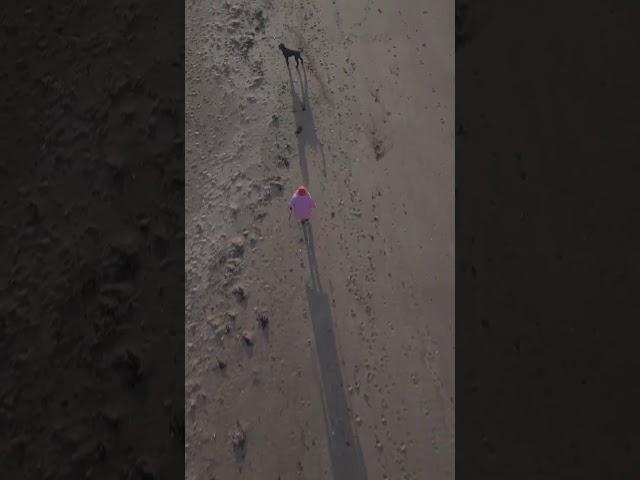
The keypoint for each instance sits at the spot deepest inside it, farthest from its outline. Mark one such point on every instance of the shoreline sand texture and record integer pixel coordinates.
(92, 244)
(325, 352)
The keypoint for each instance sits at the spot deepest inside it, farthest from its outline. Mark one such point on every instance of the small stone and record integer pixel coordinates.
(263, 320)
(276, 185)
(239, 440)
(239, 293)
(247, 337)
(237, 246)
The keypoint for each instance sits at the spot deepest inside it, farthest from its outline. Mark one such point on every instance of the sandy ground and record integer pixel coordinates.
(327, 353)
(91, 243)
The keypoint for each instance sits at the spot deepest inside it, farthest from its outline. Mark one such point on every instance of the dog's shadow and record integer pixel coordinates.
(305, 124)
(344, 447)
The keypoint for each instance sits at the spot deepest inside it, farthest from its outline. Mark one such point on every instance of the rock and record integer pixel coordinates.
(263, 320)
(234, 208)
(232, 265)
(239, 441)
(247, 337)
(282, 161)
(276, 185)
(239, 293)
(237, 246)
(221, 329)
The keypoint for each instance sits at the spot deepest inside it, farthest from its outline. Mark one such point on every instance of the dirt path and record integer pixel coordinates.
(327, 354)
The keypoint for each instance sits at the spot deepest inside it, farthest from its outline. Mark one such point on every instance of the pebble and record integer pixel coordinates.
(247, 337)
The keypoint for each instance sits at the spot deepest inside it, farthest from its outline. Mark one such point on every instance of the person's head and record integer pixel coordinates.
(302, 190)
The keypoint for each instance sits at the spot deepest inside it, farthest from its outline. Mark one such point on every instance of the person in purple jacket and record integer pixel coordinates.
(302, 205)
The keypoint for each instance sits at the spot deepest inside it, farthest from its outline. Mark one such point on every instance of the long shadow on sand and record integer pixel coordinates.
(305, 124)
(346, 456)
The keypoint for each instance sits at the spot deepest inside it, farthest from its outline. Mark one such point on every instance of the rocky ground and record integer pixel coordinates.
(327, 355)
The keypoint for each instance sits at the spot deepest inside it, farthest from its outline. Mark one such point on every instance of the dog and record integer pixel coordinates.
(291, 53)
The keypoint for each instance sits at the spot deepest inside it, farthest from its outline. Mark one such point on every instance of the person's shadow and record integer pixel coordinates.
(305, 125)
(344, 447)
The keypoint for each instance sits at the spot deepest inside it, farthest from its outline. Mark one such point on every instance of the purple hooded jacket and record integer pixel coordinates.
(302, 206)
